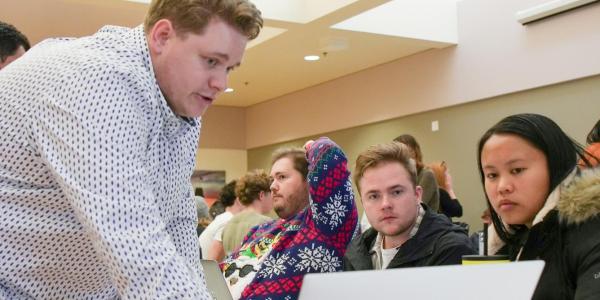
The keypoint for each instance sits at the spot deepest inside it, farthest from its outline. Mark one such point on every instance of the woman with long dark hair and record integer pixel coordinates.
(542, 205)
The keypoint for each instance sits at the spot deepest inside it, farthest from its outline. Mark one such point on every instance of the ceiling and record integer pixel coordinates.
(349, 35)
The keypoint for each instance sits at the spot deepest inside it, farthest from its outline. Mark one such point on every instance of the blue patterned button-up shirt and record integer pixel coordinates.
(95, 195)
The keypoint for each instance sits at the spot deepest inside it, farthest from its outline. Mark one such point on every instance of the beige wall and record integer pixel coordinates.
(498, 68)
(223, 127)
(38, 20)
(222, 142)
(232, 161)
(495, 56)
(575, 106)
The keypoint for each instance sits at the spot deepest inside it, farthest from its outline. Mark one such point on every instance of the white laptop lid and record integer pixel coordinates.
(215, 281)
(502, 281)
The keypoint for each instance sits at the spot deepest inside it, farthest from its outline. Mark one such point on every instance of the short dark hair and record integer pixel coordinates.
(10, 40)
(560, 150)
(227, 196)
(298, 157)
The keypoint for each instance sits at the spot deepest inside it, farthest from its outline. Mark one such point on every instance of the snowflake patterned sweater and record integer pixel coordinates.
(274, 256)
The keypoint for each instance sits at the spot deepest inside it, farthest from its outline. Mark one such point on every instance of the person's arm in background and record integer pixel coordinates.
(453, 207)
(216, 250)
(333, 210)
(98, 157)
(449, 206)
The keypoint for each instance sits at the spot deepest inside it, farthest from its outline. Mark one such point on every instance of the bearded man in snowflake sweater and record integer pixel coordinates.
(312, 195)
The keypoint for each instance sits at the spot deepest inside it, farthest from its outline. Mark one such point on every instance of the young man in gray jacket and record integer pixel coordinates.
(404, 232)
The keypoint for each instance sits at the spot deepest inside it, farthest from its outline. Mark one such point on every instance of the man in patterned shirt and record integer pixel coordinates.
(312, 195)
(405, 232)
(97, 145)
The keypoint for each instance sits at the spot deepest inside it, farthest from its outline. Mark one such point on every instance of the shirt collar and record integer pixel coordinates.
(415, 228)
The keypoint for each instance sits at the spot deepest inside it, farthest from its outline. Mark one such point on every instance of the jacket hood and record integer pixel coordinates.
(580, 198)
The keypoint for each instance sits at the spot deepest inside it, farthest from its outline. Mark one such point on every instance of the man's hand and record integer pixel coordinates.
(308, 144)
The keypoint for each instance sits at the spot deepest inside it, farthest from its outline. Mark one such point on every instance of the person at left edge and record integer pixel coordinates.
(13, 44)
(97, 145)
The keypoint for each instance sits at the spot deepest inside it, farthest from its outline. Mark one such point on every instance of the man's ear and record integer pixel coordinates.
(159, 35)
(419, 193)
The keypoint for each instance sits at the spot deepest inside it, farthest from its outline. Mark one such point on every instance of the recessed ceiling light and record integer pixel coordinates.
(228, 90)
(312, 58)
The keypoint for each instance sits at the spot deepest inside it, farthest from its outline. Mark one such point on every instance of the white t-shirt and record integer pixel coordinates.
(210, 232)
(386, 256)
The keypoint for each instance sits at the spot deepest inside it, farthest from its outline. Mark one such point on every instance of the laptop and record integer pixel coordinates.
(215, 281)
(502, 281)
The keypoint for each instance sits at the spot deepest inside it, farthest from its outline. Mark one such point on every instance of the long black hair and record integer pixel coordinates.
(561, 152)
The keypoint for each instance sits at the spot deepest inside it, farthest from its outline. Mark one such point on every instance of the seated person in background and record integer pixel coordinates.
(542, 205)
(254, 192)
(312, 194)
(232, 206)
(449, 204)
(425, 177)
(477, 238)
(404, 232)
(201, 211)
(216, 209)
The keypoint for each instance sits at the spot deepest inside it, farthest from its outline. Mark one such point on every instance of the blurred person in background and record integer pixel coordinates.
(201, 210)
(253, 191)
(593, 148)
(449, 204)
(213, 231)
(425, 177)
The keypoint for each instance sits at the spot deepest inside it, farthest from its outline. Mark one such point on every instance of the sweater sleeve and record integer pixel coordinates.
(332, 208)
